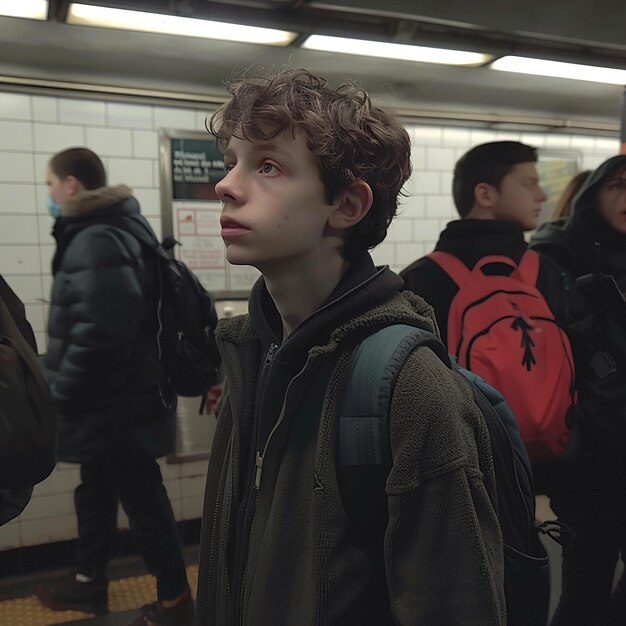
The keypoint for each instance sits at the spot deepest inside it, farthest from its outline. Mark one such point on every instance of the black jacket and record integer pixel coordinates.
(102, 362)
(585, 244)
(470, 240)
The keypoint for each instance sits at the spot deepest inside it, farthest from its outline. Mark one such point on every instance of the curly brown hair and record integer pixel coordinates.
(351, 139)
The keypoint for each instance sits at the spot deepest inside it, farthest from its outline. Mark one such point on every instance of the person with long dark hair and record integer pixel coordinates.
(589, 489)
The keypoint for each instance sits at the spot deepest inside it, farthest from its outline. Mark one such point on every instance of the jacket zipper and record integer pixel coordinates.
(269, 357)
(259, 458)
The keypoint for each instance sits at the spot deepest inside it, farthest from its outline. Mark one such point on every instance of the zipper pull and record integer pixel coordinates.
(270, 354)
(259, 468)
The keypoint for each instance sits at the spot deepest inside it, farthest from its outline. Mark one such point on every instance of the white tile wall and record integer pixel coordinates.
(109, 141)
(41, 168)
(133, 172)
(16, 167)
(18, 229)
(129, 115)
(14, 106)
(149, 201)
(82, 112)
(35, 314)
(55, 137)
(19, 259)
(16, 136)
(45, 109)
(17, 198)
(33, 128)
(146, 144)
(27, 288)
(174, 118)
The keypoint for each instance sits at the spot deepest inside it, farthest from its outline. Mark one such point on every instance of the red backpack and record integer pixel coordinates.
(501, 328)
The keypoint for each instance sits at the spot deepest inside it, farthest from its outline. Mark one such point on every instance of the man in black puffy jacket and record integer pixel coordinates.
(116, 410)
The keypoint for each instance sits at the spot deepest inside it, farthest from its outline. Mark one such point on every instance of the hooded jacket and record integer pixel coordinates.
(585, 244)
(470, 240)
(102, 363)
(285, 552)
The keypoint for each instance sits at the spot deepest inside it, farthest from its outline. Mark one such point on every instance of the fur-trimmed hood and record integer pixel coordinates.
(93, 199)
(106, 205)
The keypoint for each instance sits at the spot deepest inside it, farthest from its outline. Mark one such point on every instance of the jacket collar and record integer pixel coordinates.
(91, 200)
(471, 239)
(366, 297)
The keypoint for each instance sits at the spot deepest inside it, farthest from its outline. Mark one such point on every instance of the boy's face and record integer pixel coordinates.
(274, 211)
(612, 201)
(520, 196)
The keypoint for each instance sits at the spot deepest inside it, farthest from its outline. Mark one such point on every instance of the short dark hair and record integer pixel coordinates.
(351, 139)
(81, 163)
(487, 163)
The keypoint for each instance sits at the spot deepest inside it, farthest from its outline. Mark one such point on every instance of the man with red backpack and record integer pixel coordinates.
(494, 299)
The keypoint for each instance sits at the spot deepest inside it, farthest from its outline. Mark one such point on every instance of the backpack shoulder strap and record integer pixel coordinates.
(372, 373)
(364, 449)
(452, 266)
(528, 267)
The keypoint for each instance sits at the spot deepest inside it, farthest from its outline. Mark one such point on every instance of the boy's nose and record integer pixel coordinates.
(226, 188)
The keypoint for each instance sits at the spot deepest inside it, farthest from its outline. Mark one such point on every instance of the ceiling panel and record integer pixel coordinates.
(56, 51)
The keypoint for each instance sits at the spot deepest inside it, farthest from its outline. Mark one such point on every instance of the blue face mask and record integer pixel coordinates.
(53, 208)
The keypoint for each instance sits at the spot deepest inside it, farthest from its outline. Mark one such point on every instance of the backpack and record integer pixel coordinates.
(27, 411)
(502, 328)
(187, 318)
(364, 448)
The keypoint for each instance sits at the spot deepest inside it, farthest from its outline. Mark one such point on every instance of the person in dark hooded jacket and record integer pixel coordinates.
(116, 410)
(589, 491)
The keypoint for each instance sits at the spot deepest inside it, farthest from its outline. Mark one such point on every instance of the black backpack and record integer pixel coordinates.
(27, 412)
(187, 318)
(365, 461)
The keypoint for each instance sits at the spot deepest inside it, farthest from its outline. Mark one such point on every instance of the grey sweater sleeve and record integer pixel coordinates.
(443, 544)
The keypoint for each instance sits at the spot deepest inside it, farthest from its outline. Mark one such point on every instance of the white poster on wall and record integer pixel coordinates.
(197, 229)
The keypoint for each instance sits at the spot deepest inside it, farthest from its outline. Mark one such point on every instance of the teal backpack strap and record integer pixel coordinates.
(364, 448)
(371, 377)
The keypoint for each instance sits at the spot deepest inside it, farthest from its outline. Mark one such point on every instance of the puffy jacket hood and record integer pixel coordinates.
(585, 242)
(583, 203)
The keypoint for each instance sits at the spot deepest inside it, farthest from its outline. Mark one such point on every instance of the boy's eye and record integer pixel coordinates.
(228, 166)
(268, 168)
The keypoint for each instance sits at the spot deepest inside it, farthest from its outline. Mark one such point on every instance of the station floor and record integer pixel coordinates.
(19, 607)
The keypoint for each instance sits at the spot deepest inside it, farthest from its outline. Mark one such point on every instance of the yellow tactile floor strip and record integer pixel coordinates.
(124, 594)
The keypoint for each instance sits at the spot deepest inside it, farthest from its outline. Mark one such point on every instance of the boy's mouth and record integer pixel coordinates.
(232, 227)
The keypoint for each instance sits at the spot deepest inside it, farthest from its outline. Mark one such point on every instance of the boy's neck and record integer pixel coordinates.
(300, 288)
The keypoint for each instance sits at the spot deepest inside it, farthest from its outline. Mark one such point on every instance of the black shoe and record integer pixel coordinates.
(155, 614)
(66, 593)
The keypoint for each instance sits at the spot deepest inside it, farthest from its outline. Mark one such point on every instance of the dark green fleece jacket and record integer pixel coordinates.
(298, 560)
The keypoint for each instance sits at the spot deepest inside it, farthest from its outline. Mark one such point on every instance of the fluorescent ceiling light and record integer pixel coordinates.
(557, 69)
(104, 17)
(31, 9)
(395, 51)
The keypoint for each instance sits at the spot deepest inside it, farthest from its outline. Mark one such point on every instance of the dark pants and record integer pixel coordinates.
(593, 503)
(136, 484)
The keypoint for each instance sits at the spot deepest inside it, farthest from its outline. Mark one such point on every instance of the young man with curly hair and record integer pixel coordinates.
(312, 183)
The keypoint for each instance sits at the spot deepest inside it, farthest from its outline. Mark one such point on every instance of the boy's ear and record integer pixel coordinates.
(352, 205)
(483, 195)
